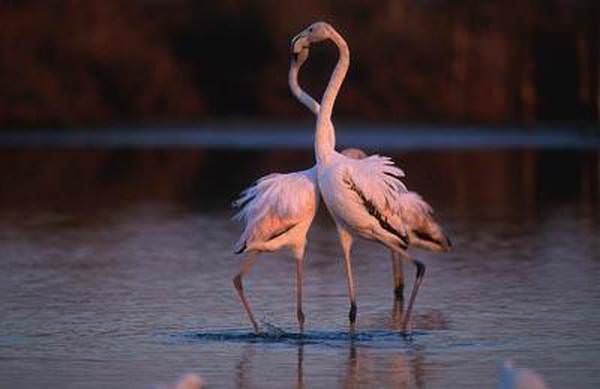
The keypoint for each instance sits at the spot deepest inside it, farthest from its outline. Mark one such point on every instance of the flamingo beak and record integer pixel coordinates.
(299, 42)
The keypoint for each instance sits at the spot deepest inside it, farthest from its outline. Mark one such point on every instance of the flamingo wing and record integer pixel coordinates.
(413, 203)
(423, 229)
(275, 204)
(377, 187)
(379, 181)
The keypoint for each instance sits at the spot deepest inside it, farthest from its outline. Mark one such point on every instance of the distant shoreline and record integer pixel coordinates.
(299, 137)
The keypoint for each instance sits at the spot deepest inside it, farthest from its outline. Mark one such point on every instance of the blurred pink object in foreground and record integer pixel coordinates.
(519, 378)
(190, 381)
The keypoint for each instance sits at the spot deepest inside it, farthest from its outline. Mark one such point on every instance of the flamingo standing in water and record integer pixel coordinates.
(278, 211)
(366, 197)
(297, 60)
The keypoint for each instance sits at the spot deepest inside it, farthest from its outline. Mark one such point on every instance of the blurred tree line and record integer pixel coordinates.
(70, 63)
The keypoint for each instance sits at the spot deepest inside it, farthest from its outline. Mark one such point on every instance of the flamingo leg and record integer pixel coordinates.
(398, 276)
(419, 278)
(299, 278)
(351, 291)
(346, 240)
(397, 317)
(239, 287)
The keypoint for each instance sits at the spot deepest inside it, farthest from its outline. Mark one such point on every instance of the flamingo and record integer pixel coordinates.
(353, 153)
(298, 60)
(278, 211)
(366, 197)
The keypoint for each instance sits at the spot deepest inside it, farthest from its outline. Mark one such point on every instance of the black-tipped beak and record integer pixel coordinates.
(294, 39)
(297, 46)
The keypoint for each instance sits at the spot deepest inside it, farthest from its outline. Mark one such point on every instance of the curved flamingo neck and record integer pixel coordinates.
(297, 91)
(325, 133)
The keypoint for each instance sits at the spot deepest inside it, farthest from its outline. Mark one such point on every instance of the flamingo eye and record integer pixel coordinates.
(310, 29)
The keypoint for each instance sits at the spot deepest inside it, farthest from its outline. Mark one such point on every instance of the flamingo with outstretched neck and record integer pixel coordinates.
(366, 197)
(297, 60)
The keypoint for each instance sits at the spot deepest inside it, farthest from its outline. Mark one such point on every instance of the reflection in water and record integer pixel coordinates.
(362, 367)
(244, 365)
(300, 369)
(515, 181)
(403, 367)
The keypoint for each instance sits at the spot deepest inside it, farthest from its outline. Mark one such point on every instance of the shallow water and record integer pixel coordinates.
(135, 297)
(138, 293)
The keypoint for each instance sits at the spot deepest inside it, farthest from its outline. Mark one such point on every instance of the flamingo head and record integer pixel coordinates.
(316, 32)
(298, 58)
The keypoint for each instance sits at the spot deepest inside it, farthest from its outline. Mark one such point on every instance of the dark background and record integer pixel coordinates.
(72, 64)
(140, 66)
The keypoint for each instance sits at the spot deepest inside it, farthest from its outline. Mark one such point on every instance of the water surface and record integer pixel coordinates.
(135, 297)
(137, 293)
